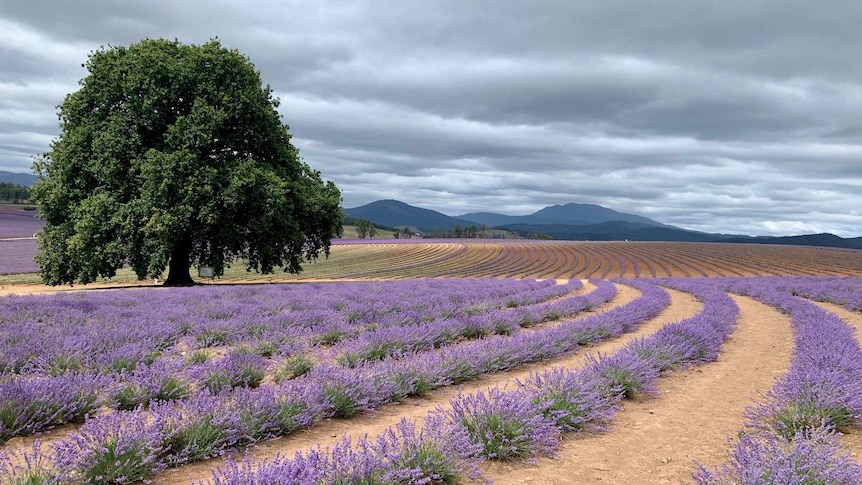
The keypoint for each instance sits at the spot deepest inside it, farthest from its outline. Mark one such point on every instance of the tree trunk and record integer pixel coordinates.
(178, 266)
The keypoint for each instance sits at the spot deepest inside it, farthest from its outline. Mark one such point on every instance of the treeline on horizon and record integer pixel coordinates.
(14, 193)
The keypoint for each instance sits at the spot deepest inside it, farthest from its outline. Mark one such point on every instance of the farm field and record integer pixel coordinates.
(485, 360)
(17, 222)
(448, 258)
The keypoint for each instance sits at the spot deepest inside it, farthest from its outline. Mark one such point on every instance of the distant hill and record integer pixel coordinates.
(825, 240)
(492, 219)
(612, 231)
(569, 214)
(394, 213)
(575, 222)
(25, 179)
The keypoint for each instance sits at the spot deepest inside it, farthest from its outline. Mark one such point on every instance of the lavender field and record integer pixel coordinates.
(149, 380)
(16, 256)
(16, 222)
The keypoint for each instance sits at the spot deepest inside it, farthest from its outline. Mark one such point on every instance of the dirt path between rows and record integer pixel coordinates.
(851, 438)
(656, 440)
(329, 432)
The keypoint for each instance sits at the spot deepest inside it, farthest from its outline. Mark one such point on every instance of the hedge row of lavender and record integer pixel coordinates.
(402, 340)
(32, 403)
(16, 222)
(790, 434)
(16, 256)
(117, 330)
(135, 381)
(210, 424)
(505, 425)
(844, 291)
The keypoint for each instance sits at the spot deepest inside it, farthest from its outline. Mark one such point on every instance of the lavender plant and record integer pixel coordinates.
(505, 425)
(573, 400)
(295, 366)
(27, 468)
(113, 448)
(401, 455)
(236, 369)
(200, 427)
(765, 459)
(31, 405)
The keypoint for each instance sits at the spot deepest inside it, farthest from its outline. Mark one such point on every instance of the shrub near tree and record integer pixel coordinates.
(174, 155)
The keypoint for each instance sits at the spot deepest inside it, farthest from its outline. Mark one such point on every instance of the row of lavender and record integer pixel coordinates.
(17, 222)
(404, 446)
(505, 425)
(16, 256)
(101, 332)
(790, 435)
(209, 424)
(130, 365)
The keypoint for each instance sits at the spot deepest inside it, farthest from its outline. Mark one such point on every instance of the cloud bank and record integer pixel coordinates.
(733, 116)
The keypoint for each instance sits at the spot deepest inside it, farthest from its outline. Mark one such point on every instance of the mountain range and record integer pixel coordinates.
(569, 222)
(25, 179)
(573, 222)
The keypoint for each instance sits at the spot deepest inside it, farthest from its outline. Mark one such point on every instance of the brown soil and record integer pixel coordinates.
(657, 440)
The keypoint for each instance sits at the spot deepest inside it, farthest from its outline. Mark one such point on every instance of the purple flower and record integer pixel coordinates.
(118, 447)
(505, 425)
(28, 468)
(574, 400)
(766, 459)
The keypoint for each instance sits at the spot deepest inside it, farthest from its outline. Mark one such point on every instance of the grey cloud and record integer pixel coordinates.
(731, 116)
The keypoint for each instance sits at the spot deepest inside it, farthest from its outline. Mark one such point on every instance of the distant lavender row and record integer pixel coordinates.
(209, 424)
(172, 379)
(505, 425)
(115, 330)
(846, 292)
(135, 338)
(15, 222)
(394, 341)
(16, 256)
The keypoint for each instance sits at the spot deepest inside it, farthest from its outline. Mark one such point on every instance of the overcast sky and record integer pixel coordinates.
(733, 116)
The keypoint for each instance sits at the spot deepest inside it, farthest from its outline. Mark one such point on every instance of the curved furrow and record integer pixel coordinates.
(521, 256)
(404, 258)
(656, 440)
(487, 269)
(597, 259)
(490, 253)
(737, 257)
(331, 431)
(583, 260)
(566, 260)
(542, 262)
(658, 257)
(428, 267)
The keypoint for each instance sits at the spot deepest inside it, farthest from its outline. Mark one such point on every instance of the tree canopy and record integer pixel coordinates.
(174, 155)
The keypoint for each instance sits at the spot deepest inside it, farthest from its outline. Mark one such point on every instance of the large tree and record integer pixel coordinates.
(173, 155)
